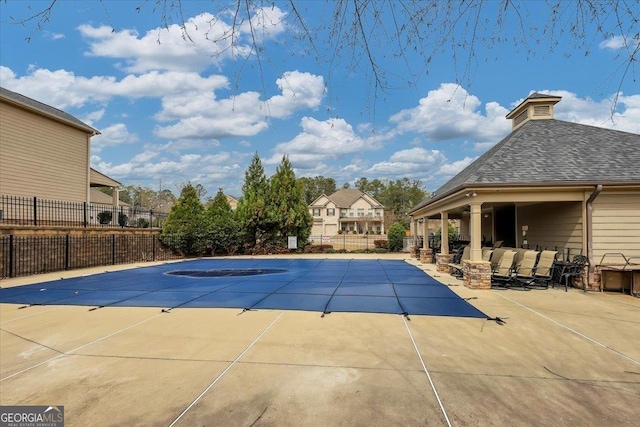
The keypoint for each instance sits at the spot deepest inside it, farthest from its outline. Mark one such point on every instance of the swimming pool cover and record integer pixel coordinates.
(323, 285)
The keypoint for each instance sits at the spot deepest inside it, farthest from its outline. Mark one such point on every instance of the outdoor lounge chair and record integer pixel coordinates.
(525, 270)
(486, 254)
(504, 274)
(496, 256)
(543, 273)
(456, 267)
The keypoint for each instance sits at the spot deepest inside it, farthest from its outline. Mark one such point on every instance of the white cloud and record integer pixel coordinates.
(450, 112)
(111, 136)
(63, 89)
(620, 42)
(448, 170)
(205, 40)
(53, 36)
(201, 115)
(210, 170)
(93, 117)
(323, 140)
(586, 111)
(410, 163)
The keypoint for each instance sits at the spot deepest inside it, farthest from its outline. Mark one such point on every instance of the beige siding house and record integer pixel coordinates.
(548, 184)
(44, 152)
(347, 210)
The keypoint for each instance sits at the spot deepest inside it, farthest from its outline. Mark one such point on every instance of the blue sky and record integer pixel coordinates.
(173, 110)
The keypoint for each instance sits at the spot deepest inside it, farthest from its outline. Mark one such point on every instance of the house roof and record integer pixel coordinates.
(98, 197)
(346, 197)
(551, 152)
(98, 179)
(45, 110)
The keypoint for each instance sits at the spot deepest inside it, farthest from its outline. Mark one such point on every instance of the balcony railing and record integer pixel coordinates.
(360, 215)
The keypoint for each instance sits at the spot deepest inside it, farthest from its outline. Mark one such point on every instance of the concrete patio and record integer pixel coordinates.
(557, 358)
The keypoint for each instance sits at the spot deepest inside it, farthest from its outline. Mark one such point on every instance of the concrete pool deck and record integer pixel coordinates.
(560, 358)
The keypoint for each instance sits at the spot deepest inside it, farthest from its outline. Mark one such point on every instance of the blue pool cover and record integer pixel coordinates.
(369, 286)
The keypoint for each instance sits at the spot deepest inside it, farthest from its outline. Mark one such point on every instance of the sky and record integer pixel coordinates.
(176, 106)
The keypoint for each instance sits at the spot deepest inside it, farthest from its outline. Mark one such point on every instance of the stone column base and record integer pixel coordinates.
(442, 262)
(426, 256)
(476, 274)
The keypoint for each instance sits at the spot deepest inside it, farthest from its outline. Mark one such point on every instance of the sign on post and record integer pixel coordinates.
(293, 242)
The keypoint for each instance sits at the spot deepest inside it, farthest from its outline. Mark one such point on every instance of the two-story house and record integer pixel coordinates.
(347, 210)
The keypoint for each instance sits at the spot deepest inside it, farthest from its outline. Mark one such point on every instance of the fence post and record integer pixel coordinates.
(84, 209)
(151, 219)
(11, 255)
(113, 249)
(344, 240)
(67, 251)
(153, 247)
(35, 210)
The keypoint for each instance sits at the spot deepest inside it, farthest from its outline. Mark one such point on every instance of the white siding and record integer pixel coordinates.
(41, 157)
(616, 224)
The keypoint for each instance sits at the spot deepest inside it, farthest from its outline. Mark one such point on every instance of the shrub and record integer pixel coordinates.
(380, 244)
(105, 217)
(354, 232)
(142, 223)
(396, 236)
(340, 231)
(122, 219)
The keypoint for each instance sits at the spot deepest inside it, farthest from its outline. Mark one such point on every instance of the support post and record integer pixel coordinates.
(444, 235)
(476, 231)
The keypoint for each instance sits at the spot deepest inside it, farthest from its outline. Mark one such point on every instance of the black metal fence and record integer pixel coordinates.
(34, 211)
(27, 255)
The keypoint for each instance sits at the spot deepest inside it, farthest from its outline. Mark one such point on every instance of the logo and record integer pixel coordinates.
(31, 416)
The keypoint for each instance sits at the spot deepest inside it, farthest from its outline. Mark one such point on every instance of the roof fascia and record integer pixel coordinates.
(48, 115)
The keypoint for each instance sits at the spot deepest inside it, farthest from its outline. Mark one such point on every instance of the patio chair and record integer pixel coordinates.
(496, 256)
(504, 274)
(486, 254)
(525, 271)
(456, 267)
(573, 270)
(543, 273)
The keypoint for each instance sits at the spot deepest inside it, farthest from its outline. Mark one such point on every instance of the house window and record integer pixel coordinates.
(343, 213)
(370, 212)
(331, 212)
(316, 211)
(360, 212)
(350, 212)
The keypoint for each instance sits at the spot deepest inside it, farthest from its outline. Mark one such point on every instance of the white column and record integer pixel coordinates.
(425, 233)
(444, 235)
(476, 231)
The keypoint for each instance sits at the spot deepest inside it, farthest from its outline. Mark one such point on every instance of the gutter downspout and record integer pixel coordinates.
(592, 267)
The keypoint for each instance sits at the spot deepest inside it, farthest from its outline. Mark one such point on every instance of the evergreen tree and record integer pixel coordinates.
(223, 229)
(251, 207)
(183, 228)
(287, 212)
(396, 235)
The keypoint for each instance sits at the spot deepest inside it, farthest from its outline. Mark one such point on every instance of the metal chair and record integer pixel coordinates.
(574, 269)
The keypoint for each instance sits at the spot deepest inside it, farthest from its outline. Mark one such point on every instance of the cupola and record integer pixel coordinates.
(537, 106)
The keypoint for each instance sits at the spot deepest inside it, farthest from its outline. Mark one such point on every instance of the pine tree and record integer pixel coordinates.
(252, 205)
(183, 228)
(287, 211)
(223, 230)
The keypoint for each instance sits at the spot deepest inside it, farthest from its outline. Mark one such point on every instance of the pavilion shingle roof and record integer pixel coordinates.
(552, 152)
(45, 109)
